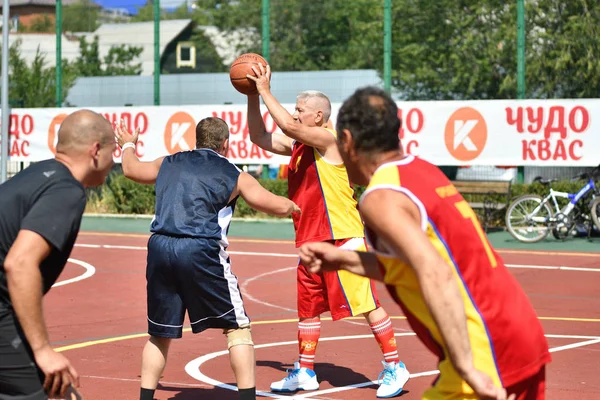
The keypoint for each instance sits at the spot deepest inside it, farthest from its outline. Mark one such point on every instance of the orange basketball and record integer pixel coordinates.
(241, 67)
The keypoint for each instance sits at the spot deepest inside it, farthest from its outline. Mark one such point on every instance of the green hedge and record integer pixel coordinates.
(123, 196)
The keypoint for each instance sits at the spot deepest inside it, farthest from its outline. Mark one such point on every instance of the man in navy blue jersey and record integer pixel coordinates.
(188, 266)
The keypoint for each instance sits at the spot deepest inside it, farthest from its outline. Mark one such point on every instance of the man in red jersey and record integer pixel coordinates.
(318, 183)
(430, 250)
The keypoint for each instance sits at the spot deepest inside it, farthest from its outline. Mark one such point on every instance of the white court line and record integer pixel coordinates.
(197, 385)
(89, 271)
(248, 296)
(193, 367)
(288, 255)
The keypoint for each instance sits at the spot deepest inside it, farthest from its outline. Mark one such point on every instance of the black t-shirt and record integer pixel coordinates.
(47, 199)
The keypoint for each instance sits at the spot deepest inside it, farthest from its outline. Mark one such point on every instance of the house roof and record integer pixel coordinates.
(47, 46)
(139, 34)
(47, 3)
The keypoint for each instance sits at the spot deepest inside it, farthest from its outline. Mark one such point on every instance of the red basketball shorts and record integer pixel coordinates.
(340, 292)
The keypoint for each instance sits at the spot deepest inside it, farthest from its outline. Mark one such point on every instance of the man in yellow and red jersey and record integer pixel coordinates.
(318, 183)
(430, 250)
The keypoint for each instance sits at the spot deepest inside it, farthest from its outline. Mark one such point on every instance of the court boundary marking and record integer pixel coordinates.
(290, 255)
(274, 241)
(192, 368)
(90, 270)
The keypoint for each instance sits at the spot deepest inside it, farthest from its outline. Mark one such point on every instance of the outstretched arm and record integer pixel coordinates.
(261, 199)
(323, 256)
(273, 142)
(313, 136)
(134, 169)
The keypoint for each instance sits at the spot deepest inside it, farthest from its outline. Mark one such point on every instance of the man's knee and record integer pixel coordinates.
(240, 336)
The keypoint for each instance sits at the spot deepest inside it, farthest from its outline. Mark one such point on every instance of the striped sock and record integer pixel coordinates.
(309, 331)
(384, 334)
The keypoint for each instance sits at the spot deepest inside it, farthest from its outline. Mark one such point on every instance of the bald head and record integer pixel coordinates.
(82, 128)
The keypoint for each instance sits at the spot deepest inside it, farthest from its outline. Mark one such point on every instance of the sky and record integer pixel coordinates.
(132, 5)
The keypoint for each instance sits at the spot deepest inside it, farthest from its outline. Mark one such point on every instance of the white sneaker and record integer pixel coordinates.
(393, 378)
(297, 379)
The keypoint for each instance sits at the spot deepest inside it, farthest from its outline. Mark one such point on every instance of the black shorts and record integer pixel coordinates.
(20, 378)
(194, 275)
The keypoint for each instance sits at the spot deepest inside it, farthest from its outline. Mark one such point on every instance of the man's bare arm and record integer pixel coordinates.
(273, 142)
(396, 219)
(140, 171)
(24, 280)
(323, 256)
(261, 199)
(316, 137)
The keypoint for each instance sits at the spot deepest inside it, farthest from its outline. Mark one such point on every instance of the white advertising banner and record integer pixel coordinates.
(495, 132)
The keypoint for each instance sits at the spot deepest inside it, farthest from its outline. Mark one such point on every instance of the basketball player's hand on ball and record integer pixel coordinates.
(262, 78)
(123, 135)
(484, 387)
(322, 256)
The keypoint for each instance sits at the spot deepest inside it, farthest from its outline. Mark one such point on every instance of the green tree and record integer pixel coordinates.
(563, 49)
(307, 35)
(82, 16)
(34, 85)
(120, 60)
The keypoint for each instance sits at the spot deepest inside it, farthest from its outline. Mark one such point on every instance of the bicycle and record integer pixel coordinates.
(542, 219)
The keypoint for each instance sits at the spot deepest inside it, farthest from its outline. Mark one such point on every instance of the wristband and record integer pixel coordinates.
(128, 144)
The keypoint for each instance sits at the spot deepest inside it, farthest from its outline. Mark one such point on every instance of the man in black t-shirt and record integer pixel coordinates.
(40, 213)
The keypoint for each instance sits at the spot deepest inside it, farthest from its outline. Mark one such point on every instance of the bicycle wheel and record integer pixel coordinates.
(522, 224)
(595, 211)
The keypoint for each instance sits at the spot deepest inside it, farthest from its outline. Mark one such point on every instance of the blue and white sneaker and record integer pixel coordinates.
(297, 379)
(393, 378)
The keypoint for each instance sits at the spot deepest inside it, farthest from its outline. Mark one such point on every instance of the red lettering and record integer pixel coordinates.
(556, 113)
(518, 120)
(583, 120)
(13, 126)
(231, 153)
(235, 122)
(528, 153)
(538, 119)
(412, 146)
(575, 143)
(141, 121)
(410, 120)
(242, 149)
(544, 150)
(139, 149)
(19, 149)
(560, 151)
(267, 155)
(27, 124)
(254, 151)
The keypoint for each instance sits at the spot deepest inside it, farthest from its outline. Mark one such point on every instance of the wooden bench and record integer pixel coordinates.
(489, 190)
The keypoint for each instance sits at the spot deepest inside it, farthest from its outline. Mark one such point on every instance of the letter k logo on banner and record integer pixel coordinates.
(465, 134)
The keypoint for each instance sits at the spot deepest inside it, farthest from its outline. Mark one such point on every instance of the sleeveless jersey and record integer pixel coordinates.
(192, 195)
(507, 339)
(323, 192)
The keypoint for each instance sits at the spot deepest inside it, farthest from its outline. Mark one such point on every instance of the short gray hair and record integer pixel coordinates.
(321, 97)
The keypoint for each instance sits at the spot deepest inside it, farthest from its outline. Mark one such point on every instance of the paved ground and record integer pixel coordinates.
(283, 230)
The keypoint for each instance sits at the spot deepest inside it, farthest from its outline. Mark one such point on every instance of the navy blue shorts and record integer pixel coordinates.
(195, 275)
